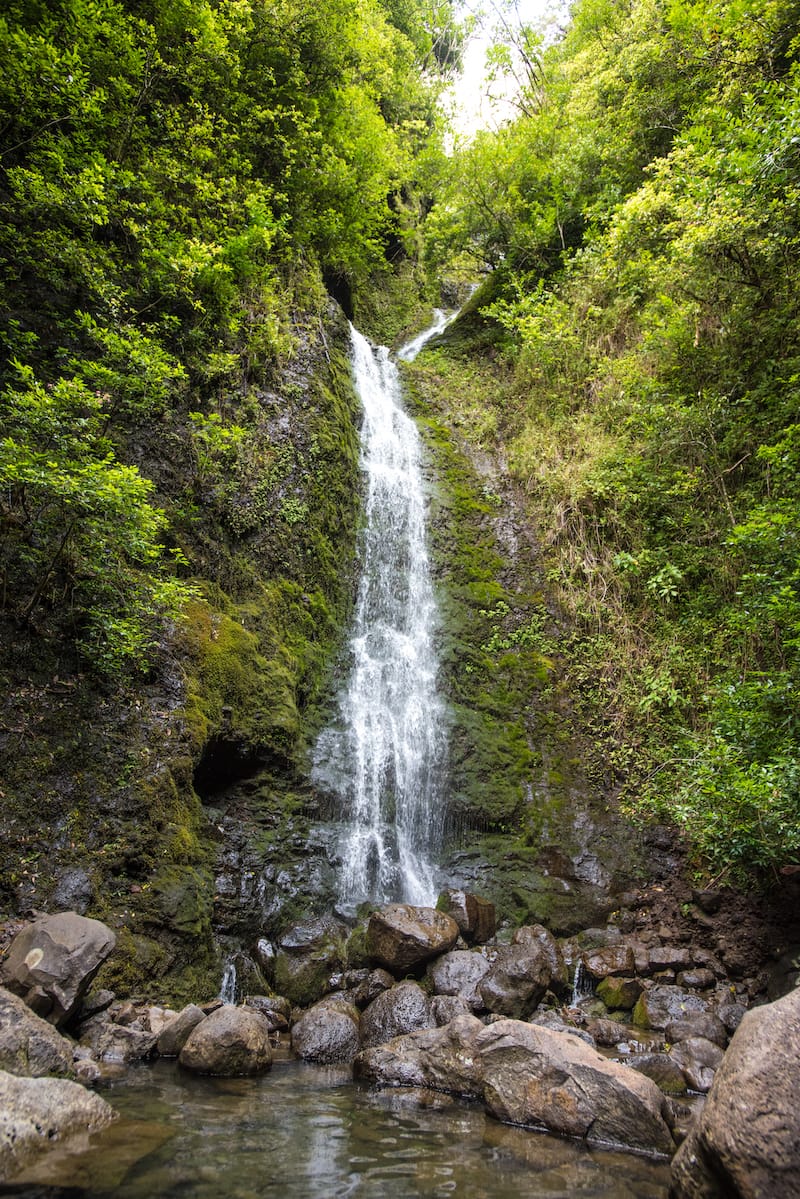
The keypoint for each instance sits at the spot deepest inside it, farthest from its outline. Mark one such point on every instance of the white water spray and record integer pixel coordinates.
(384, 756)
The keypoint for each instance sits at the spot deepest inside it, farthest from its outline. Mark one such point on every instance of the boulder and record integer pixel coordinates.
(697, 1024)
(698, 979)
(445, 1008)
(117, 1043)
(459, 972)
(176, 1032)
(308, 954)
(231, 1041)
(699, 1060)
(611, 961)
(327, 1032)
(619, 994)
(276, 1010)
(669, 957)
(665, 1073)
(661, 1004)
(533, 935)
(371, 986)
(51, 963)
(403, 938)
(517, 980)
(474, 915)
(606, 1032)
(28, 1044)
(528, 1075)
(35, 1112)
(746, 1141)
(402, 1009)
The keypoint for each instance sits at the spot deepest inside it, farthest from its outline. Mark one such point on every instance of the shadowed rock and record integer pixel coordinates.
(28, 1044)
(517, 980)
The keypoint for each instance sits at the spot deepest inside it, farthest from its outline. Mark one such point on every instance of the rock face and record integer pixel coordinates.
(402, 1009)
(34, 1112)
(51, 963)
(746, 1142)
(327, 1032)
(528, 1075)
(517, 980)
(402, 937)
(28, 1044)
(232, 1041)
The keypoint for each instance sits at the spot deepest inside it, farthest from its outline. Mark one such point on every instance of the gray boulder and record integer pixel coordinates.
(403, 937)
(664, 1072)
(176, 1032)
(536, 935)
(698, 1024)
(116, 1043)
(699, 1060)
(528, 1075)
(663, 1003)
(609, 962)
(51, 963)
(445, 1008)
(517, 980)
(459, 972)
(28, 1044)
(402, 1009)
(308, 955)
(36, 1112)
(230, 1042)
(746, 1142)
(327, 1032)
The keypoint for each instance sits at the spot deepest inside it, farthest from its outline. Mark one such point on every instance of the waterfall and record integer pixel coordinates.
(383, 757)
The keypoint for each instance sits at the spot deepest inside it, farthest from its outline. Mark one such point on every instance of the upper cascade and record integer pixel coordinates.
(384, 754)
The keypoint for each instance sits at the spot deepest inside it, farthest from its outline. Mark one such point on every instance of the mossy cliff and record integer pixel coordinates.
(107, 796)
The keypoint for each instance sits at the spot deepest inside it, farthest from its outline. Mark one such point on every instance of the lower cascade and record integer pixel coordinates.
(383, 757)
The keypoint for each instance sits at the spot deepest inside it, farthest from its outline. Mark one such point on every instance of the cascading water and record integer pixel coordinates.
(384, 755)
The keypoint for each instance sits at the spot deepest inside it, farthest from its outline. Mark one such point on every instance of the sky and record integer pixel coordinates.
(472, 108)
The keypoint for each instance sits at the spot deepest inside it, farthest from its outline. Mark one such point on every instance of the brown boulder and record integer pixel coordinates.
(517, 980)
(537, 935)
(474, 915)
(28, 1044)
(612, 961)
(746, 1142)
(52, 961)
(402, 1009)
(459, 972)
(402, 937)
(231, 1041)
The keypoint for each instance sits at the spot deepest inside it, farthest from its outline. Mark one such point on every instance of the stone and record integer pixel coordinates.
(619, 994)
(557, 1023)
(665, 1073)
(327, 1032)
(117, 1043)
(606, 1032)
(746, 1141)
(95, 1002)
(73, 891)
(231, 1042)
(697, 979)
(613, 960)
(537, 935)
(518, 979)
(698, 1024)
(308, 954)
(276, 1010)
(36, 1112)
(459, 972)
(370, 987)
(403, 937)
(174, 1035)
(731, 1012)
(28, 1044)
(474, 915)
(660, 1004)
(445, 1008)
(709, 901)
(158, 1018)
(530, 1076)
(699, 1060)
(402, 1009)
(52, 961)
(669, 957)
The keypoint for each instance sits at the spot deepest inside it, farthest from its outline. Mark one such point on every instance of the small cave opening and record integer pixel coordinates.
(338, 285)
(224, 762)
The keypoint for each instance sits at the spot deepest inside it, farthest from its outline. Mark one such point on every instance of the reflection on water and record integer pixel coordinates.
(305, 1132)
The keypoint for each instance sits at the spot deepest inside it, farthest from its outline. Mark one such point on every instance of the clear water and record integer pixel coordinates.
(384, 755)
(304, 1132)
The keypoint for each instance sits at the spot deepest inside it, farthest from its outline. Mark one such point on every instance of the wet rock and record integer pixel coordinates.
(698, 979)
(308, 954)
(402, 1009)
(698, 1024)
(518, 978)
(174, 1035)
(232, 1041)
(474, 915)
(527, 1075)
(699, 1060)
(619, 993)
(557, 1023)
(669, 957)
(402, 937)
(731, 1012)
(445, 1008)
(73, 891)
(265, 957)
(532, 935)
(28, 1044)
(36, 1112)
(665, 1073)
(609, 962)
(662, 1003)
(373, 985)
(327, 1032)
(606, 1032)
(746, 1141)
(117, 1043)
(51, 963)
(459, 972)
(276, 1010)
